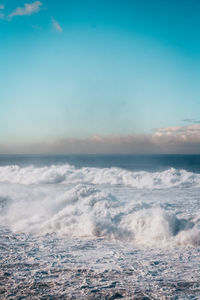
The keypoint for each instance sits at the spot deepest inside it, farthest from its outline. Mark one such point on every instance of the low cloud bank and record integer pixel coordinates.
(170, 140)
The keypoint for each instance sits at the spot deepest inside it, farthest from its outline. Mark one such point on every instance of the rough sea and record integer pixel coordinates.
(100, 227)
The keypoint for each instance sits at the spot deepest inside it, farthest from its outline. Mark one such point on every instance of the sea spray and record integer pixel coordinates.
(85, 211)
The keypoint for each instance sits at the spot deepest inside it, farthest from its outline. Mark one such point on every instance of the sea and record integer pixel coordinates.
(100, 227)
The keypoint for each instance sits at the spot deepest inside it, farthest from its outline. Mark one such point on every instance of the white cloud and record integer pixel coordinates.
(56, 25)
(180, 139)
(28, 9)
(188, 131)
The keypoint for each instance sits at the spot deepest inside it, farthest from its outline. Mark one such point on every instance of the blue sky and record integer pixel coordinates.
(78, 69)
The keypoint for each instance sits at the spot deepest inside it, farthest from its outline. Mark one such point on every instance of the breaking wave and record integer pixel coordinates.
(85, 211)
(67, 174)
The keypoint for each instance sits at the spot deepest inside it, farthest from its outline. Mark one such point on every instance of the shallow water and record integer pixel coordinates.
(82, 231)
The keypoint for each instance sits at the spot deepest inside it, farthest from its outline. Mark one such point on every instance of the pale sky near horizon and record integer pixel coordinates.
(85, 69)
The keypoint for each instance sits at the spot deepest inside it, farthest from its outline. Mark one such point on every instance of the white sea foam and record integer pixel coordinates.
(139, 232)
(85, 211)
(67, 174)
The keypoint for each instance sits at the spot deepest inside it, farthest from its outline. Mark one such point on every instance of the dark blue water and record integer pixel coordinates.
(129, 162)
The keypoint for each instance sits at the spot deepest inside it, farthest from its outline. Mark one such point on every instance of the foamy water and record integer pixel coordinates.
(68, 174)
(99, 232)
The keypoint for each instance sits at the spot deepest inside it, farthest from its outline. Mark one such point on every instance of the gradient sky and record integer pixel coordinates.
(77, 69)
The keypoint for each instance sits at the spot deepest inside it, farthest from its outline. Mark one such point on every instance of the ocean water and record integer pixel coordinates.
(100, 227)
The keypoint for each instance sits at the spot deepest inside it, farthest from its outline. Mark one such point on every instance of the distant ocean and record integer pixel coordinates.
(100, 226)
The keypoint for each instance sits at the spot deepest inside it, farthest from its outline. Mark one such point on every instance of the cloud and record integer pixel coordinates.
(56, 25)
(28, 9)
(168, 140)
(92, 145)
(179, 131)
(1, 14)
(191, 120)
(180, 139)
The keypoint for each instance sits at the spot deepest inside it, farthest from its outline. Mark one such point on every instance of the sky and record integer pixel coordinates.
(80, 76)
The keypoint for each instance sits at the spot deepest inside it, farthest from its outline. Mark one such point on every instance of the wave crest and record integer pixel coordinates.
(85, 211)
(67, 174)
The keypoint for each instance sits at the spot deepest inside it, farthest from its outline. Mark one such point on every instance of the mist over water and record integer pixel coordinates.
(105, 216)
